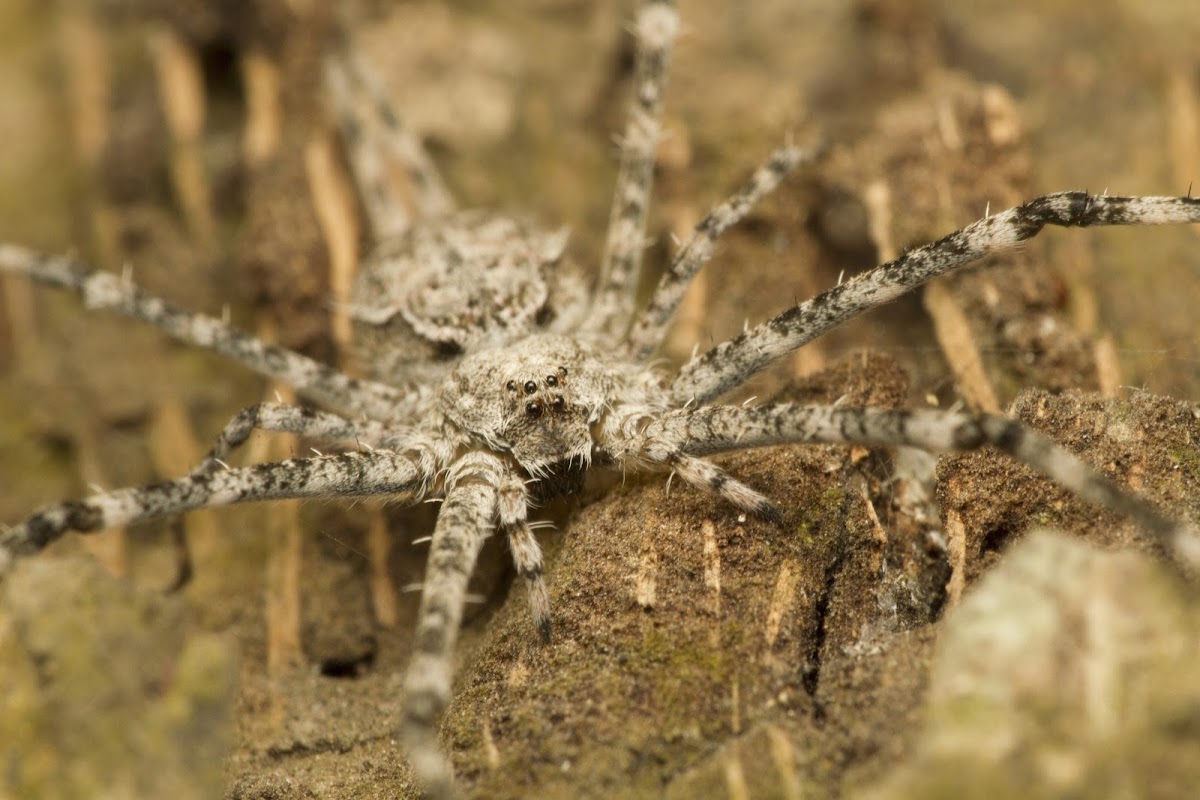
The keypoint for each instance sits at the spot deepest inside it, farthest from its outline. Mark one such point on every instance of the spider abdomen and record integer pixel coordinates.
(452, 286)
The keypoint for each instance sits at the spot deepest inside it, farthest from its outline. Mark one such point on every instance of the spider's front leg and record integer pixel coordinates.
(474, 489)
(482, 494)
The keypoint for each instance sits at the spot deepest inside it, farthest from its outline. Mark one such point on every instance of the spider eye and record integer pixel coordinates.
(533, 409)
(530, 387)
(558, 402)
(552, 380)
(511, 386)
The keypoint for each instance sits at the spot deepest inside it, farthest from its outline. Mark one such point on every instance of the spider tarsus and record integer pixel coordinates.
(770, 512)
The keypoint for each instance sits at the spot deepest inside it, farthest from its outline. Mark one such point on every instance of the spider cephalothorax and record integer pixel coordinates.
(500, 378)
(537, 399)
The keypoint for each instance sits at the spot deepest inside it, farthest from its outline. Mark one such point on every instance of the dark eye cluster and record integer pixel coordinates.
(537, 405)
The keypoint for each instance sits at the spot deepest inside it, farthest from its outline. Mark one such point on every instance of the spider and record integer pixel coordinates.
(500, 377)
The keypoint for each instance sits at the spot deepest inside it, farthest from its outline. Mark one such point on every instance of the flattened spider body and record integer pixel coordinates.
(500, 376)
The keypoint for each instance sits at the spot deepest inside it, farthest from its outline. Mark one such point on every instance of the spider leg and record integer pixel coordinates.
(527, 557)
(707, 475)
(467, 517)
(526, 552)
(624, 441)
(655, 27)
(103, 290)
(647, 333)
(346, 474)
(715, 429)
(378, 142)
(729, 364)
(283, 418)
